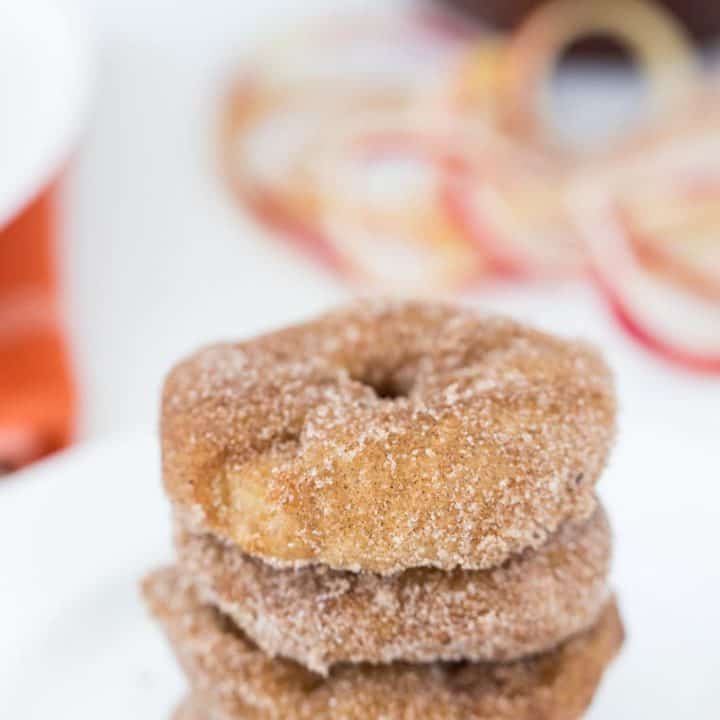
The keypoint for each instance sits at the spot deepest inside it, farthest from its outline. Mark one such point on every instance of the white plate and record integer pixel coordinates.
(78, 533)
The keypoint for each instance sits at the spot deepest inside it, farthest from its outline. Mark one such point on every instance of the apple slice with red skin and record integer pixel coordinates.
(518, 223)
(674, 318)
(675, 232)
(379, 190)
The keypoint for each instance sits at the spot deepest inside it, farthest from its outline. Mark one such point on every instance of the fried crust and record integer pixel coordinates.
(321, 617)
(386, 436)
(239, 681)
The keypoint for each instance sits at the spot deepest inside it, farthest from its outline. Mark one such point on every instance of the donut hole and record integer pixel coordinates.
(288, 439)
(385, 385)
(597, 91)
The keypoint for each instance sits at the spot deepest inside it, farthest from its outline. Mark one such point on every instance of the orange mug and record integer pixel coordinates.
(43, 98)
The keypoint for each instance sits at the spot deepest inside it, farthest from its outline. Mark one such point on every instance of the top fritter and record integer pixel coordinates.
(388, 435)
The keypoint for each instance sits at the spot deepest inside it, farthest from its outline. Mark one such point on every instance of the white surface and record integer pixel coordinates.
(77, 533)
(157, 257)
(76, 643)
(158, 260)
(44, 76)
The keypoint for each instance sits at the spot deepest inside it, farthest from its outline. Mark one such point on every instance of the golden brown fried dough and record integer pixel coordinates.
(198, 708)
(192, 708)
(320, 617)
(228, 670)
(387, 436)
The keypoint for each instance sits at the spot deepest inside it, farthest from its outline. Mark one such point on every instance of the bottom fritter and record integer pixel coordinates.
(237, 680)
(192, 709)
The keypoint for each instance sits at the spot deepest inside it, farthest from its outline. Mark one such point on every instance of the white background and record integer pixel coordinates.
(158, 260)
(157, 257)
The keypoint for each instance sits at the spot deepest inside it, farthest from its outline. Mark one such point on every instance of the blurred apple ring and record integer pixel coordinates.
(657, 41)
(379, 185)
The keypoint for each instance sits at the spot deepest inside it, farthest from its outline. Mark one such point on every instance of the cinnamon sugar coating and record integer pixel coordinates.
(192, 708)
(195, 707)
(240, 681)
(320, 617)
(388, 435)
